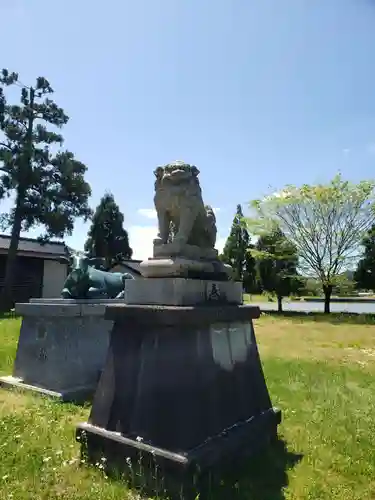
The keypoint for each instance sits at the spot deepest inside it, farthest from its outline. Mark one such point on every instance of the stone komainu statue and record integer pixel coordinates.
(179, 204)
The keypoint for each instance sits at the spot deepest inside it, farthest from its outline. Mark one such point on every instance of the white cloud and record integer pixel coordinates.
(150, 213)
(346, 151)
(220, 242)
(141, 240)
(277, 194)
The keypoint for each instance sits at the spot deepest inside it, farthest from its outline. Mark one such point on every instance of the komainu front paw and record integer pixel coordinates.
(65, 294)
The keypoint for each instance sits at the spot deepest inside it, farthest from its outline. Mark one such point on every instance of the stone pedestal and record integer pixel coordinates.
(183, 292)
(62, 347)
(185, 261)
(182, 389)
(160, 267)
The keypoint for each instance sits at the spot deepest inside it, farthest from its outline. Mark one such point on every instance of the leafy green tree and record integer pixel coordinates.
(344, 286)
(364, 275)
(277, 262)
(312, 287)
(236, 252)
(107, 238)
(325, 222)
(47, 183)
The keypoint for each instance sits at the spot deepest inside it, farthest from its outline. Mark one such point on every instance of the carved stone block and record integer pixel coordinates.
(182, 391)
(182, 292)
(185, 268)
(61, 348)
(177, 249)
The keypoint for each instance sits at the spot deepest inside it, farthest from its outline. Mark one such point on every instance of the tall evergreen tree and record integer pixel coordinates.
(236, 252)
(364, 275)
(277, 263)
(107, 238)
(48, 184)
(250, 274)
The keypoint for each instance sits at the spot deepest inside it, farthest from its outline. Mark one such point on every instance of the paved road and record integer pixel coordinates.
(352, 307)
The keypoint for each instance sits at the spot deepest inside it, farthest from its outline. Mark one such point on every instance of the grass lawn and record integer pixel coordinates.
(258, 298)
(320, 371)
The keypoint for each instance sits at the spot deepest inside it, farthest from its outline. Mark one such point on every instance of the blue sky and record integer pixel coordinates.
(256, 93)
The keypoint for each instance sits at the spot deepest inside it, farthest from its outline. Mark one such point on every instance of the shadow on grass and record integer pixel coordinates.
(262, 477)
(320, 317)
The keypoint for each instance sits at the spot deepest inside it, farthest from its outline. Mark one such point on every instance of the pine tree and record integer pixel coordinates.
(250, 274)
(48, 183)
(365, 272)
(107, 238)
(236, 252)
(277, 263)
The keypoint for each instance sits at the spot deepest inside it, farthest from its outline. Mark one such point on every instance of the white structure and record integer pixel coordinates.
(54, 275)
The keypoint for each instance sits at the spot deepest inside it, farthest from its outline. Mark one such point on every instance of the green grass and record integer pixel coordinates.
(320, 373)
(265, 297)
(9, 331)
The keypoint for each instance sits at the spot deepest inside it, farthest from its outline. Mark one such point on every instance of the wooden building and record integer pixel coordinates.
(38, 272)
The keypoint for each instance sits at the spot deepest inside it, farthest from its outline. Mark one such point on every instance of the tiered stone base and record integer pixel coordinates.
(182, 389)
(185, 268)
(185, 261)
(184, 292)
(62, 347)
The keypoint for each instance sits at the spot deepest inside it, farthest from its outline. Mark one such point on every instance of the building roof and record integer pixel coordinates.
(33, 248)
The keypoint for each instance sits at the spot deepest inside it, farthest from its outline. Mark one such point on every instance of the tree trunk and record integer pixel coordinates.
(279, 303)
(327, 289)
(6, 296)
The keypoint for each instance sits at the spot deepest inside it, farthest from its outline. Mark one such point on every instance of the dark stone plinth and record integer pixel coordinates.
(182, 387)
(180, 316)
(62, 348)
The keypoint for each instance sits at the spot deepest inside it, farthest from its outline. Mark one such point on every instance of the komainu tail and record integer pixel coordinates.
(211, 224)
